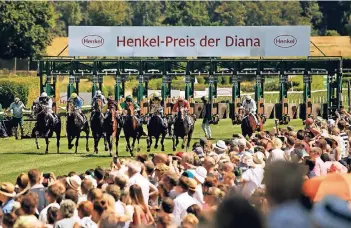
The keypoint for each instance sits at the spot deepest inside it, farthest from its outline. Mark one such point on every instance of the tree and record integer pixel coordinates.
(311, 11)
(25, 28)
(230, 14)
(186, 13)
(108, 13)
(146, 13)
(69, 13)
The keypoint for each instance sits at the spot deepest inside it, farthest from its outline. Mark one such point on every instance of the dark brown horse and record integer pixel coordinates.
(183, 129)
(97, 125)
(249, 126)
(112, 129)
(131, 128)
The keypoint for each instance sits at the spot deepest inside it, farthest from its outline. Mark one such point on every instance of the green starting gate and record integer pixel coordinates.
(236, 69)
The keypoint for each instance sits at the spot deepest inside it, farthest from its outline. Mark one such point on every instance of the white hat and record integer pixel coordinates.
(220, 146)
(74, 182)
(258, 158)
(98, 93)
(332, 212)
(199, 173)
(44, 94)
(248, 97)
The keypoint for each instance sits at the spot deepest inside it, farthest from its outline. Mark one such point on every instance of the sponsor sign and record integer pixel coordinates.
(222, 41)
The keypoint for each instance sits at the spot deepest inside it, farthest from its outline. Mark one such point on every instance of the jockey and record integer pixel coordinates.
(129, 100)
(249, 105)
(77, 103)
(46, 101)
(156, 106)
(99, 95)
(182, 103)
(112, 104)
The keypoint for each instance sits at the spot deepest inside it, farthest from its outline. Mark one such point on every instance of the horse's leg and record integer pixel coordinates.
(106, 140)
(148, 143)
(96, 143)
(109, 140)
(58, 137)
(156, 141)
(173, 141)
(117, 140)
(162, 141)
(189, 139)
(128, 143)
(36, 139)
(77, 142)
(47, 144)
(133, 143)
(87, 132)
(184, 140)
(70, 139)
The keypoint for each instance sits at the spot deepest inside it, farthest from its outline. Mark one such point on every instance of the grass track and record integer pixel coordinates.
(18, 156)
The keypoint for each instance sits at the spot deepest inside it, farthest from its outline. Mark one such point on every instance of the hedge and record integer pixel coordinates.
(26, 88)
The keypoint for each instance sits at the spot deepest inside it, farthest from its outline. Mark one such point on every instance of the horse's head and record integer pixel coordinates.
(98, 105)
(130, 108)
(181, 114)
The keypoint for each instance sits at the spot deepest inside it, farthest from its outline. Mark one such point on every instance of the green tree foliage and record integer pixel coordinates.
(69, 14)
(103, 13)
(145, 13)
(25, 28)
(186, 13)
(229, 14)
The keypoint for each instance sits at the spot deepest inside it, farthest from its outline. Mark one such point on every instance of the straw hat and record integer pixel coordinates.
(74, 182)
(192, 184)
(220, 147)
(7, 189)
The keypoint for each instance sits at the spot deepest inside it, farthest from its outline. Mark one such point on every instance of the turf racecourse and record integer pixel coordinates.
(18, 156)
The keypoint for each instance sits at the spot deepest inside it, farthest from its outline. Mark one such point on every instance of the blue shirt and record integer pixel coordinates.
(8, 206)
(78, 102)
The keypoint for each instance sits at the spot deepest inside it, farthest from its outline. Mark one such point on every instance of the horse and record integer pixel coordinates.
(156, 128)
(182, 129)
(111, 129)
(45, 126)
(131, 128)
(74, 126)
(97, 125)
(249, 126)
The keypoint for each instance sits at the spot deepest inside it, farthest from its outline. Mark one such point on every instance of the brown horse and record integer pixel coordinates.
(249, 126)
(131, 128)
(111, 129)
(97, 124)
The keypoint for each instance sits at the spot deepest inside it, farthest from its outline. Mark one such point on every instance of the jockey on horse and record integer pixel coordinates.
(129, 101)
(182, 104)
(157, 108)
(46, 102)
(249, 105)
(77, 103)
(98, 95)
(112, 105)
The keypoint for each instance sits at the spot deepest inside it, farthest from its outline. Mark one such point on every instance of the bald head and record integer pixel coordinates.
(209, 163)
(160, 158)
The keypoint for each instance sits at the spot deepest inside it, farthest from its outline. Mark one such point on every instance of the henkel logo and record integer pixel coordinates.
(92, 41)
(285, 41)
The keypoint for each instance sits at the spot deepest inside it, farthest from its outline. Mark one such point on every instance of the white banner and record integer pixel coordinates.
(222, 41)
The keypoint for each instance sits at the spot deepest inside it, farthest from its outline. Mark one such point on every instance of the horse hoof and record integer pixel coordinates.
(148, 150)
(106, 149)
(87, 149)
(38, 147)
(46, 152)
(110, 154)
(174, 149)
(156, 146)
(70, 147)
(162, 149)
(183, 146)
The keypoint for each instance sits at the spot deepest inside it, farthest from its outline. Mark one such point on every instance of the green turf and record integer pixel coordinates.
(18, 156)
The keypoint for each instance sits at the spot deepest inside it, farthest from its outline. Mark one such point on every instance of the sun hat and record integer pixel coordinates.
(220, 147)
(7, 189)
(258, 158)
(192, 184)
(74, 182)
(332, 212)
(188, 173)
(199, 173)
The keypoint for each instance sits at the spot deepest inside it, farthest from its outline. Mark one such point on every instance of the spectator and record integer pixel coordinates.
(169, 181)
(200, 174)
(212, 198)
(277, 153)
(320, 168)
(7, 194)
(167, 207)
(99, 207)
(189, 221)
(65, 216)
(8, 220)
(85, 210)
(22, 184)
(142, 214)
(134, 169)
(94, 194)
(51, 216)
(72, 195)
(121, 182)
(99, 175)
(52, 194)
(115, 192)
(183, 200)
(237, 212)
(28, 209)
(35, 179)
(74, 183)
(87, 184)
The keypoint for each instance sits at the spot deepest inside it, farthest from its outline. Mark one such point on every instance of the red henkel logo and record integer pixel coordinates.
(285, 41)
(92, 41)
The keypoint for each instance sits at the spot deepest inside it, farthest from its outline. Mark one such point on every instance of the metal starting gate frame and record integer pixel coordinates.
(168, 68)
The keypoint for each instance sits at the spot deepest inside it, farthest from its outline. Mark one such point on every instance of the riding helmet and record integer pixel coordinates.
(98, 93)
(43, 94)
(129, 98)
(74, 95)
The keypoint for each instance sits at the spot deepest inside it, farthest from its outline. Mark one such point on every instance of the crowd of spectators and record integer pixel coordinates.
(268, 180)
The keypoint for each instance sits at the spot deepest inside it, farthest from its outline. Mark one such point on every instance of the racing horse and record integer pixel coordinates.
(131, 128)
(249, 126)
(97, 125)
(155, 128)
(46, 126)
(182, 129)
(74, 126)
(112, 129)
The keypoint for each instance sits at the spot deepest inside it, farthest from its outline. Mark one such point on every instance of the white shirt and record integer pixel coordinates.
(44, 213)
(144, 184)
(181, 204)
(253, 178)
(250, 106)
(119, 208)
(198, 195)
(276, 155)
(82, 198)
(86, 222)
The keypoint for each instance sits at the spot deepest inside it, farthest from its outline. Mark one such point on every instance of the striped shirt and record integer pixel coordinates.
(345, 138)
